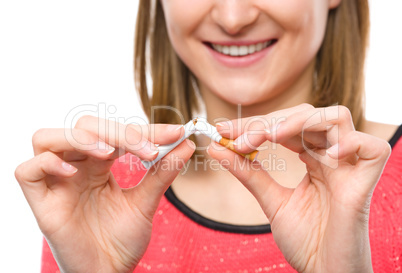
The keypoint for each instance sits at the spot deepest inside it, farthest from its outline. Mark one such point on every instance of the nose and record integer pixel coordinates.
(233, 16)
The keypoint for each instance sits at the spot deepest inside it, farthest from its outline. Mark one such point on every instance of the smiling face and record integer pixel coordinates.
(247, 51)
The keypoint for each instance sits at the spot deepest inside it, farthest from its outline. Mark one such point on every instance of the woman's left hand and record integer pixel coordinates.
(322, 224)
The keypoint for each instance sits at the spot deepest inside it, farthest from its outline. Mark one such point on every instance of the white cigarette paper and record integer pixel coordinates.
(207, 129)
(189, 129)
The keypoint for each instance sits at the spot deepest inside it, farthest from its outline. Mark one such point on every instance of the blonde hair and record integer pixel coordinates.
(339, 77)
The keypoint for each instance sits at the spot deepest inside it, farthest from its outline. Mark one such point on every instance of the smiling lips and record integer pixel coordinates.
(241, 50)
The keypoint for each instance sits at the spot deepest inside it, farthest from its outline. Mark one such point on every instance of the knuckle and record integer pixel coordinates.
(344, 113)
(382, 149)
(83, 121)
(386, 147)
(306, 106)
(38, 136)
(354, 137)
(19, 171)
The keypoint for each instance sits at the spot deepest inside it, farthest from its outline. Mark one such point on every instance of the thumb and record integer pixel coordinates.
(269, 194)
(147, 194)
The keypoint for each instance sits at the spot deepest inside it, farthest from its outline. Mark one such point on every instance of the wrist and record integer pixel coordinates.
(357, 264)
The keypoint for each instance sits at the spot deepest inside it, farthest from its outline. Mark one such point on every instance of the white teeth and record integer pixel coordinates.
(241, 50)
(234, 50)
(251, 49)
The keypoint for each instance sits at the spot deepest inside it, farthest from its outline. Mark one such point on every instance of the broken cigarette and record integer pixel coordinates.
(202, 126)
(189, 129)
(210, 131)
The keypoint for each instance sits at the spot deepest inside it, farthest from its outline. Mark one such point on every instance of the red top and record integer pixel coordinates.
(184, 241)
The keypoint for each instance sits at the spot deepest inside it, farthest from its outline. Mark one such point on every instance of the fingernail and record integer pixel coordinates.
(267, 131)
(173, 127)
(221, 124)
(150, 149)
(154, 153)
(240, 140)
(105, 148)
(69, 168)
(334, 150)
(207, 150)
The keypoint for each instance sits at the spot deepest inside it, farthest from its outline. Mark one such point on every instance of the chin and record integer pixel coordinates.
(239, 89)
(243, 96)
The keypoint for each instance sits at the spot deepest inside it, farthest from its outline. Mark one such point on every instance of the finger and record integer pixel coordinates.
(31, 174)
(251, 140)
(296, 144)
(160, 133)
(159, 177)
(371, 151)
(139, 140)
(232, 129)
(70, 140)
(265, 189)
(309, 141)
(335, 121)
(312, 129)
(315, 161)
(254, 132)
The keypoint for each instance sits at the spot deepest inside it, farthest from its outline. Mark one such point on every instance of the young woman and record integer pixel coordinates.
(303, 206)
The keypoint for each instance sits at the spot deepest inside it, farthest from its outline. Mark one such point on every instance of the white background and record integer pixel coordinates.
(56, 55)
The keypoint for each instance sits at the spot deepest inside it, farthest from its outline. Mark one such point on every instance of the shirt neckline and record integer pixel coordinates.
(212, 224)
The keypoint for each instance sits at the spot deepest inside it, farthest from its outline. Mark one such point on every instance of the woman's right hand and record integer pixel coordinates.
(90, 223)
